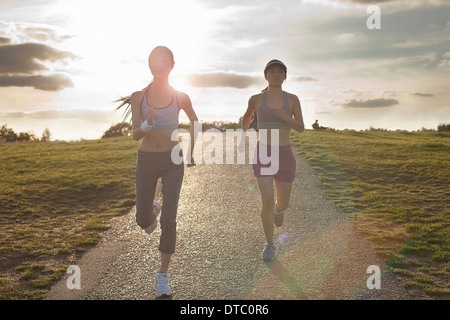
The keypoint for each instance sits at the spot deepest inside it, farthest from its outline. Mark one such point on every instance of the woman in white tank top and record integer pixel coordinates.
(155, 116)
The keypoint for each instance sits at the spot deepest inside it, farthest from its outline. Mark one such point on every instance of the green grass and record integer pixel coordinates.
(395, 187)
(55, 200)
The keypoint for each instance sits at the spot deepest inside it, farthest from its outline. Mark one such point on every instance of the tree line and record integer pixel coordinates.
(126, 129)
(444, 127)
(9, 135)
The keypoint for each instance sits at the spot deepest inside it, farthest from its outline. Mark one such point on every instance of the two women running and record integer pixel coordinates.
(155, 111)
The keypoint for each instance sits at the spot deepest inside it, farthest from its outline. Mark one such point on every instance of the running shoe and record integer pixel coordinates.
(278, 217)
(156, 212)
(162, 288)
(269, 252)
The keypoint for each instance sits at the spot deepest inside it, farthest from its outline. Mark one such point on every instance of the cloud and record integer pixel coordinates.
(21, 58)
(317, 31)
(45, 34)
(46, 83)
(406, 32)
(232, 80)
(421, 94)
(368, 2)
(408, 44)
(304, 79)
(444, 63)
(223, 79)
(20, 66)
(4, 40)
(229, 3)
(72, 114)
(371, 103)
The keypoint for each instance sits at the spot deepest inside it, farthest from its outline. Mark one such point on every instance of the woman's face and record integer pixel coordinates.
(275, 74)
(160, 63)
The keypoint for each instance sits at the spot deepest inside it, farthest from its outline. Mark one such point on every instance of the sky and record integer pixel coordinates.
(63, 63)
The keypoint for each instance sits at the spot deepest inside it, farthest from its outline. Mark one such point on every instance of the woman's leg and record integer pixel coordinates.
(283, 182)
(171, 187)
(146, 181)
(265, 185)
(283, 192)
(165, 261)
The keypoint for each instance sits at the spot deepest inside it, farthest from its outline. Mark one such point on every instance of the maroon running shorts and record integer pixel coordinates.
(287, 164)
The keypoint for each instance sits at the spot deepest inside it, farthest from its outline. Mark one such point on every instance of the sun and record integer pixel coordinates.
(184, 27)
(181, 25)
(180, 82)
(116, 37)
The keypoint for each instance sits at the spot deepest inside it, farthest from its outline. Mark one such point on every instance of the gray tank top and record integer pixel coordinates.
(266, 116)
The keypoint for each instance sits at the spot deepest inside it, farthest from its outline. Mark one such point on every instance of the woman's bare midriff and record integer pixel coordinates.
(158, 141)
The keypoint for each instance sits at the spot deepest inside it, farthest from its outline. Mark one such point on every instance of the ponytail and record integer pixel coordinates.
(126, 102)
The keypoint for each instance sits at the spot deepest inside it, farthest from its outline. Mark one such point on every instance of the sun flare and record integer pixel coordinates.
(130, 30)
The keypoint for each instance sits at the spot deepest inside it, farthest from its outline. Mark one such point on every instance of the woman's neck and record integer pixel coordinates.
(160, 85)
(274, 89)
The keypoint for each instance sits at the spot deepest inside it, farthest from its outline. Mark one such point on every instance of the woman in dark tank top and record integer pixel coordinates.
(277, 113)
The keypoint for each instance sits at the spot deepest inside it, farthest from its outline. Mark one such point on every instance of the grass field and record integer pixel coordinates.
(56, 198)
(395, 187)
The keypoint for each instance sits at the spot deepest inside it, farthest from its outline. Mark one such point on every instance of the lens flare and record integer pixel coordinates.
(283, 238)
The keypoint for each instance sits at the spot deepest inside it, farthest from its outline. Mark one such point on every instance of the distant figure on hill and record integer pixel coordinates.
(316, 126)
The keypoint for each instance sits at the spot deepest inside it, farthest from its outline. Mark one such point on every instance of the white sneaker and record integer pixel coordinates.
(156, 212)
(162, 288)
